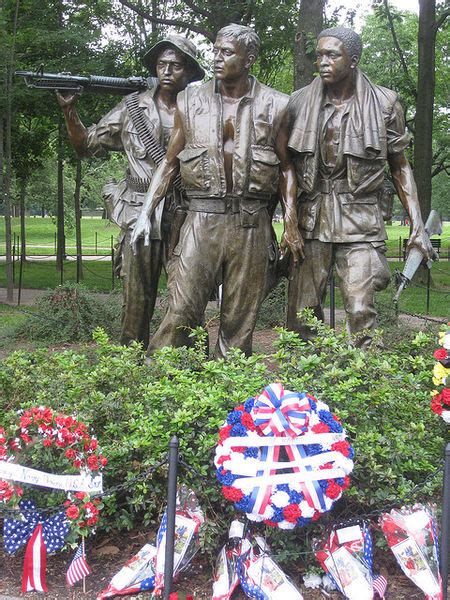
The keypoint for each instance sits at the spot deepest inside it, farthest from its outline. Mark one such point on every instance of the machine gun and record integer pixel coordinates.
(433, 226)
(65, 82)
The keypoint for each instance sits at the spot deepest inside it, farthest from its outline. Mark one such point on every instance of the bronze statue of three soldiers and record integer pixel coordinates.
(239, 147)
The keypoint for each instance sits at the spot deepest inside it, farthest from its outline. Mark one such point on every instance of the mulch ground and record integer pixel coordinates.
(107, 554)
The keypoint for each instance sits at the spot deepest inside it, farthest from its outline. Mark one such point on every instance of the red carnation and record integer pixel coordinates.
(26, 438)
(70, 453)
(333, 489)
(316, 516)
(222, 459)
(80, 495)
(327, 465)
(231, 493)
(270, 523)
(240, 407)
(346, 483)
(47, 442)
(238, 448)
(436, 405)
(92, 463)
(2, 453)
(73, 512)
(103, 460)
(25, 420)
(440, 354)
(3, 485)
(343, 447)
(93, 445)
(92, 521)
(291, 513)
(247, 421)
(77, 463)
(224, 433)
(320, 428)
(445, 395)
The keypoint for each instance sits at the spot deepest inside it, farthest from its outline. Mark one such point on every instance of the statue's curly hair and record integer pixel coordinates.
(351, 40)
(244, 35)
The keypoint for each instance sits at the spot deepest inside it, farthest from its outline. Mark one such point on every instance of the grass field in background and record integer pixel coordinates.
(40, 234)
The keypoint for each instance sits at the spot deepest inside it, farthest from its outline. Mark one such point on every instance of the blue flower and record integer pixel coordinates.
(335, 426)
(283, 487)
(340, 481)
(238, 430)
(302, 521)
(243, 503)
(313, 405)
(351, 452)
(325, 416)
(277, 515)
(313, 449)
(323, 484)
(248, 405)
(225, 478)
(295, 497)
(251, 453)
(234, 417)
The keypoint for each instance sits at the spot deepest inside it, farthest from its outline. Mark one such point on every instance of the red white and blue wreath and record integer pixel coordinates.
(283, 458)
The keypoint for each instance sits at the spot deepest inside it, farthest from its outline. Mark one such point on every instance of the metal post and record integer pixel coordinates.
(400, 249)
(61, 281)
(445, 525)
(428, 291)
(96, 242)
(171, 511)
(332, 300)
(14, 259)
(112, 242)
(19, 293)
(112, 268)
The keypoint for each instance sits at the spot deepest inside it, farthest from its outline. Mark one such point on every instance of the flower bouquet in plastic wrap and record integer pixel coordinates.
(346, 556)
(412, 536)
(259, 575)
(245, 560)
(145, 570)
(189, 518)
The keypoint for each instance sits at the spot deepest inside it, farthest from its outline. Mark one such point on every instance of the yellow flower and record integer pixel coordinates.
(439, 374)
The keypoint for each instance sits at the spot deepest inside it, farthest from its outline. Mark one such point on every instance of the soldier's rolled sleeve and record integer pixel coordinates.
(397, 136)
(107, 133)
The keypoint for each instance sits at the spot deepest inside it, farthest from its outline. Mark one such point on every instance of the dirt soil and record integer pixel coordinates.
(107, 554)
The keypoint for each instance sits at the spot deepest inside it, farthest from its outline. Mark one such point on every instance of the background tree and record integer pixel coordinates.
(310, 24)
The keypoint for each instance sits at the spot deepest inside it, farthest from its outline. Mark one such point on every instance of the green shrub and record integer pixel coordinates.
(381, 396)
(70, 313)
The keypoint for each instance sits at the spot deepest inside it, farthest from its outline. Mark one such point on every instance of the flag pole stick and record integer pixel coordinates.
(84, 555)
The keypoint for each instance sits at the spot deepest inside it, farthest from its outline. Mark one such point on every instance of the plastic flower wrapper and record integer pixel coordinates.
(226, 577)
(137, 575)
(260, 577)
(346, 556)
(412, 536)
(189, 518)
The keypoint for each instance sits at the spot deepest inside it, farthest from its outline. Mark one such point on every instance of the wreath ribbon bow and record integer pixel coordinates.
(279, 412)
(17, 532)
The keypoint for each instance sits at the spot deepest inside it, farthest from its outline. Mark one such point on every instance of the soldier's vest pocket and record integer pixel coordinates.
(133, 141)
(264, 170)
(308, 212)
(360, 214)
(193, 167)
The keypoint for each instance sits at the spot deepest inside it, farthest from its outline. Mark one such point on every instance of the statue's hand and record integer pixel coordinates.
(292, 241)
(141, 229)
(420, 240)
(66, 100)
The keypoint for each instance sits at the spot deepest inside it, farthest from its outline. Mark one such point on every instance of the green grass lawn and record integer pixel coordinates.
(97, 235)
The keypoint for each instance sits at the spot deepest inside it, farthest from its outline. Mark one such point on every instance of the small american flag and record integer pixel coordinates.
(379, 585)
(78, 568)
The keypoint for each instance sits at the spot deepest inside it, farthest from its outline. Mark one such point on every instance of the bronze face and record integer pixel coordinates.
(333, 61)
(230, 59)
(172, 70)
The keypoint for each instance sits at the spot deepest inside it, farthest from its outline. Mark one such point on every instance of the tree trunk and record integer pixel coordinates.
(78, 221)
(423, 150)
(310, 24)
(23, 242)
(60, 235)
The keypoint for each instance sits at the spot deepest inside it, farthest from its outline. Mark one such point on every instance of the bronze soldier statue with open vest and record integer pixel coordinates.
(224, 145)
